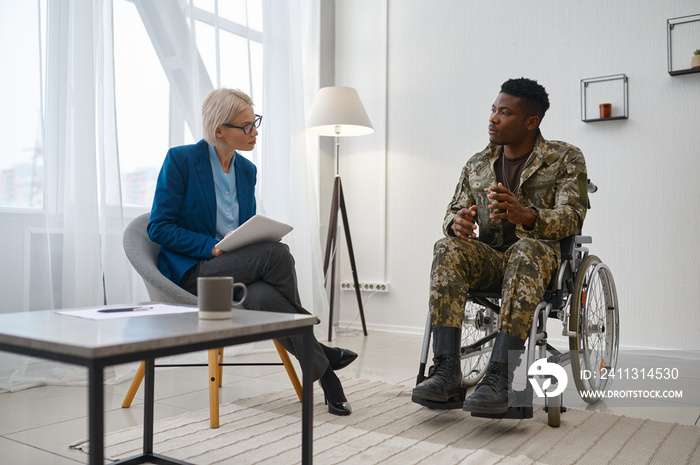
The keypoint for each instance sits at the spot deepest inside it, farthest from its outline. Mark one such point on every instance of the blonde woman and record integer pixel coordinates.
(206, 190)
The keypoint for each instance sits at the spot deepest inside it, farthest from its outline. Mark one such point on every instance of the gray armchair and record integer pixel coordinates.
(143, 255)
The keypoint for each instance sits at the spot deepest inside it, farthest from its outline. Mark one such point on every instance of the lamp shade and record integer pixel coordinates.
(338, 111)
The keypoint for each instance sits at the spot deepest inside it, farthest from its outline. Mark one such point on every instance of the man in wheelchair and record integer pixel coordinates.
(524, 194)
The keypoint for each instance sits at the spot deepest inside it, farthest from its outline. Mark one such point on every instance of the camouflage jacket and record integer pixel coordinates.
(552, 183)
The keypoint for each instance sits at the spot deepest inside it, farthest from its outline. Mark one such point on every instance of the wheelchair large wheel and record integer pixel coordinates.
(479, 322)
(595, 319)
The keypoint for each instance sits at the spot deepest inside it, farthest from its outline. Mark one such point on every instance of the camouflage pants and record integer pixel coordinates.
(522, 274)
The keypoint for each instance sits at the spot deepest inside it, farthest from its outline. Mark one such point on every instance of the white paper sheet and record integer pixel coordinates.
(126, 311)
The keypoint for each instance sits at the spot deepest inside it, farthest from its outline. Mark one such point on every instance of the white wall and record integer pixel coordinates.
(430, 80)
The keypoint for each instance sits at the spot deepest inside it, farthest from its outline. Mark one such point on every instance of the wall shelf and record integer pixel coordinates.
(604, 89)
(683, 35)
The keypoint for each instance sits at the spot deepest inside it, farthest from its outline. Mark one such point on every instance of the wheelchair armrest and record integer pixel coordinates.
(583, 239)
(568, 244)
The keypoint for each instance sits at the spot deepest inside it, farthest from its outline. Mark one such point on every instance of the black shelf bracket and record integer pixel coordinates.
(686, 47)
(615, 116)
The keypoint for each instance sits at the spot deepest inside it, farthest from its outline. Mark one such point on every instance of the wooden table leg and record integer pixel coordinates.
(214, 388)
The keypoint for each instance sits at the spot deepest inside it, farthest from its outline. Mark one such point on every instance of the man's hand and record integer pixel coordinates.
(463, 225)
(512, 210)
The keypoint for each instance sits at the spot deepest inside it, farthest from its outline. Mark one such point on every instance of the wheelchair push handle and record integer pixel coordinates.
(591, 187)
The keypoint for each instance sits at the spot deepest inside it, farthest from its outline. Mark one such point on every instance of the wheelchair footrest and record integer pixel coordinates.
(450, 405)
(522, 409)
(517, 413)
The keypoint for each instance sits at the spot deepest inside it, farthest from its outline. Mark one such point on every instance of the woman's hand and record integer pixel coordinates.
(216, 252)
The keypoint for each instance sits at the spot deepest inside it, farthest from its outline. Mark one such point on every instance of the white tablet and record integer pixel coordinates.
(257, 229)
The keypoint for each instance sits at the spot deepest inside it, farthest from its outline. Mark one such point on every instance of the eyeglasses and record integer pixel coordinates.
(248, 127)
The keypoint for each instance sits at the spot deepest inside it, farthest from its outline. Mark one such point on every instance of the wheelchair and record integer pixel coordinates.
(582, 295)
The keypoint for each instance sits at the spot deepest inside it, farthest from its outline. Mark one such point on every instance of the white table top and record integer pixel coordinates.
(94, 339)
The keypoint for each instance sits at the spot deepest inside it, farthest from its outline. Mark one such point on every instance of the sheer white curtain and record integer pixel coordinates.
(289, 164)
(78, 250)
(73, 256)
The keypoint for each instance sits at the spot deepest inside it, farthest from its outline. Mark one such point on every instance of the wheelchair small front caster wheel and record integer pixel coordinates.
(554, 411)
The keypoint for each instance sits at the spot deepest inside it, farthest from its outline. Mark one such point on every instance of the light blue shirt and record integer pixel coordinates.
(227, 217)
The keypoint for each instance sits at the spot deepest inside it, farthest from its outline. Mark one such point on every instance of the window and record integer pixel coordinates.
(148, 120)
(22, 24)
(142, 105)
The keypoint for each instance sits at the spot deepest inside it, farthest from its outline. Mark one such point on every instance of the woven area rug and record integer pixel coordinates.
(386, 427)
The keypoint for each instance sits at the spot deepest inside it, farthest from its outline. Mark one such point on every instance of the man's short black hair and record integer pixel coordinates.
(533, 95)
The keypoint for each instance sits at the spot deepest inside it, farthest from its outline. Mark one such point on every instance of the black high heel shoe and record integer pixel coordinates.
(338, 358)
(346, 358)
(335, 408)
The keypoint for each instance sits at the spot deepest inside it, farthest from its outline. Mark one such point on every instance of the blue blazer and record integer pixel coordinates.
(183, 217)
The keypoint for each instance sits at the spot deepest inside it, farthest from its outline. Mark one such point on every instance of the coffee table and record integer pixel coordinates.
(96, 344)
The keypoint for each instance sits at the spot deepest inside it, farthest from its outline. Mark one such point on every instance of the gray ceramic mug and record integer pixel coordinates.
(215, 297)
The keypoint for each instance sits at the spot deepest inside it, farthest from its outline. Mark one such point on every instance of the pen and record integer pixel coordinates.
(128, 309)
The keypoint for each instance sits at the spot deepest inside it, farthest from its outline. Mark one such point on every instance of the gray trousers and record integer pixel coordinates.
(267, 270)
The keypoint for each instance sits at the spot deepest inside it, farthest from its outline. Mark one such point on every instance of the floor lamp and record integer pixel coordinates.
(338, 112)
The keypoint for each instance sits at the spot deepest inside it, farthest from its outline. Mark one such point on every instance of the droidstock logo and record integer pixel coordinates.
(542, 367)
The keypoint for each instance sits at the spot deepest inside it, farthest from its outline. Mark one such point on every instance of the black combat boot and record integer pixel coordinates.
(445, 383)
(491, 396)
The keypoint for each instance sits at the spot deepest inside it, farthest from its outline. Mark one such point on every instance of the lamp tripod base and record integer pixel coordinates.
(338, 204)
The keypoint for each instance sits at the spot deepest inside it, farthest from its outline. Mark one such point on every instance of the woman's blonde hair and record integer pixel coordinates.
(219, 107)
